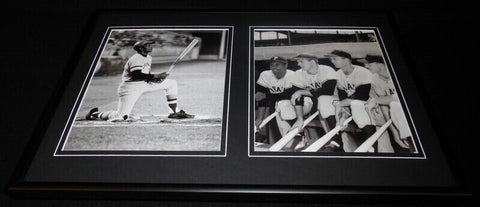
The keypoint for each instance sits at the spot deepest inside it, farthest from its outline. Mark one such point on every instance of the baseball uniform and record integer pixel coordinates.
(314, 82)
(136, 80)
(349, 83)
(384, 87)
(279, 92)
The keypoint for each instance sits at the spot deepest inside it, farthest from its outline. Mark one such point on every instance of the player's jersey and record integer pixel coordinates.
(349, 83)
(306, 80)
(276, 86)
(382, 87)
(136, 62)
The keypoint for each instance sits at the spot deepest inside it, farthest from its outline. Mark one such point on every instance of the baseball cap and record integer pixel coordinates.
(339, 53)
(278, 59)
(306, 56)
(143, 42)
(372, 59)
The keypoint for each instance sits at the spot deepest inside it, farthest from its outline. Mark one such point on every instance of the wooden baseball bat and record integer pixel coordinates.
(290, 135)
(372, 139)
(266, 120)
(184, 52)
(325, 138)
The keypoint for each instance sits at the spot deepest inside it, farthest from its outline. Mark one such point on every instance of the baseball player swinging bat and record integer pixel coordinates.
(290, 135)
(325, 138)
(372, 139)
(183, 54)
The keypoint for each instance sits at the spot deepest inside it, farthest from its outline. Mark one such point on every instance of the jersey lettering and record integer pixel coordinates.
(391, 91)
(278, 89)
(276, 86)
(315, 81)
(382, 86)
(350, 86)
(316, 85)
(358, 77)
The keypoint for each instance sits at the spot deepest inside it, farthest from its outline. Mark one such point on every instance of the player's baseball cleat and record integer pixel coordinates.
(180, 115)
(119, 119)
(90, 116)
(298, 142)
(301, 145)
(260, 138)
(332, 148)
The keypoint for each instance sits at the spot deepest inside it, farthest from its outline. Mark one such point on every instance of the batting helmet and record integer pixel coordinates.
(141, 44)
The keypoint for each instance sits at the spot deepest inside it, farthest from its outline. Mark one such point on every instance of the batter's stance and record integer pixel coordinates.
(354, 83)
(136, 80)
(386, 98)
(318, 82)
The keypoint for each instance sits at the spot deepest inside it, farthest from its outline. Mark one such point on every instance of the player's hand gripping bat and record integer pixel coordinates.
(290, 135)
(325, 138)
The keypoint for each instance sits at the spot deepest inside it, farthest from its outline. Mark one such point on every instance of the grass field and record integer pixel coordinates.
(201, 92)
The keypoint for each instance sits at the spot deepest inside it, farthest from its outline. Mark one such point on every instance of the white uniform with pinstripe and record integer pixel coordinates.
(349, 83)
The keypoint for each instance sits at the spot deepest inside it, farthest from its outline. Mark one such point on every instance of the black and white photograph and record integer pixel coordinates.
(327, 92)
(229, 106)
(154, 91)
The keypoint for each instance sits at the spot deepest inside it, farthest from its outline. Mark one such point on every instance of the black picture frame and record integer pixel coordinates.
(235, 176)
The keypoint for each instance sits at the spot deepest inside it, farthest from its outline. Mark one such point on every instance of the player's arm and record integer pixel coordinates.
(362, 92)
(286, 94)
(298, 94)
(385, 100)
(261, 112)
(328, 88)
(261, 93)
(298, 103)
(299, 121)
(135, 66)
(137, 75)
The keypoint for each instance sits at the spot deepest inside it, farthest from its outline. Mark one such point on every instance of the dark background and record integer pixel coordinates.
(41, 39)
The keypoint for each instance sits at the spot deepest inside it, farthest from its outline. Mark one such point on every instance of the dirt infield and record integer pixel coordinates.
(201, 92)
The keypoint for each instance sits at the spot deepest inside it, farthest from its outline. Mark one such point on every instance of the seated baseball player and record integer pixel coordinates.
(137, 79)
(386, 98)
(277, 85)
(318, 82)
(353, 83)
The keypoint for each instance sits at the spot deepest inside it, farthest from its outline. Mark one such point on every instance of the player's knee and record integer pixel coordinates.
(307, 105)
(360, 114)
(395, 105)
(325, 106)
(357, 103)
(299, 101)
(286, 110)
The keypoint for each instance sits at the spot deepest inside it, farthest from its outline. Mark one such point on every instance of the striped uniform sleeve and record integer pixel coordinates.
(135, 66)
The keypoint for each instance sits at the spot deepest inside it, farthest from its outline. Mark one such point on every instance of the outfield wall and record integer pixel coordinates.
(356, 49)
(113, 60)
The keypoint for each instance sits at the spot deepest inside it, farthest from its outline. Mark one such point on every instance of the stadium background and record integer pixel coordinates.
(168, 45)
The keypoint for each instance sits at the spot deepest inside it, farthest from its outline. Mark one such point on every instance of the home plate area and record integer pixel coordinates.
(142, 120)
